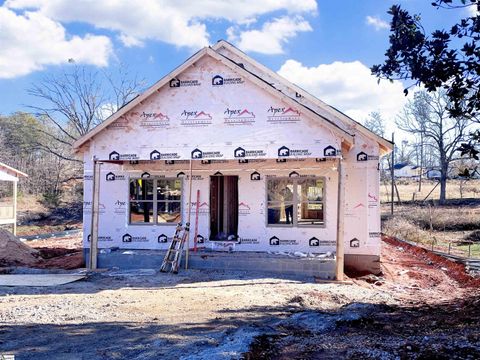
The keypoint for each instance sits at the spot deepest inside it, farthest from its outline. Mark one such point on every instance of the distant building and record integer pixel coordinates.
(406, 170)
(433, 174)
(8, 195)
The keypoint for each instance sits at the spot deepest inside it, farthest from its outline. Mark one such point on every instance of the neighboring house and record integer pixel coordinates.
(265, 155)
(433, 174)
(8, 195)
(405, 170)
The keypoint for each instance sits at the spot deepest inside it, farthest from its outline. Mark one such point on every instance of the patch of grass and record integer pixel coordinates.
(408, 189)
(404, 228)
(441, 218)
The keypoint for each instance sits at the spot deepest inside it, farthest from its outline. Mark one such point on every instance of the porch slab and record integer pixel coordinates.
(323, 268)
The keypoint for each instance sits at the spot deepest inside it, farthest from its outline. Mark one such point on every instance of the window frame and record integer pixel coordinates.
(297, 202)
(154, 200)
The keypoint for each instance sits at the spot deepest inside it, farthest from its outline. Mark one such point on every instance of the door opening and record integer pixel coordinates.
(223, 207)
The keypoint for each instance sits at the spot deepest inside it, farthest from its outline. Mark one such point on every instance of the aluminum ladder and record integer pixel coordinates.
(173, 256)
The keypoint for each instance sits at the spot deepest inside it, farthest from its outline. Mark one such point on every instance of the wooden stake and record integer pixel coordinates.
(94, 220)
(189, 211)
(392, 173)
(15, 183)
(195, 234)
(340, 223)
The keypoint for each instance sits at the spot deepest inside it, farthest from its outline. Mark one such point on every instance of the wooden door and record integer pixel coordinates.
(223, 207)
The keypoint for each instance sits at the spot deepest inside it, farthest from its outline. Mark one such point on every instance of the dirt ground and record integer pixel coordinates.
(422, 307)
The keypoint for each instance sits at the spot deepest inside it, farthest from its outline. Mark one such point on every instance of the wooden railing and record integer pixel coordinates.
(6, 212)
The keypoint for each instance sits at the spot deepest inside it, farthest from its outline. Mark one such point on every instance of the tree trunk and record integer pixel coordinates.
(443, 181)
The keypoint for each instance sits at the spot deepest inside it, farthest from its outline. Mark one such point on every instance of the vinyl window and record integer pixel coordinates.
(155, 201)
(296, 202)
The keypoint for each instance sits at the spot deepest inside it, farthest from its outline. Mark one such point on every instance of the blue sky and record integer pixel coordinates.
(325, 46)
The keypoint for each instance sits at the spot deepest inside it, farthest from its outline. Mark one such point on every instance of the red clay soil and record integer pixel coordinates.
(455, 270)
(414, 275)
(58, 253)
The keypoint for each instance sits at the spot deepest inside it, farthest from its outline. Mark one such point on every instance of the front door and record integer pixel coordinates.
(223, 207)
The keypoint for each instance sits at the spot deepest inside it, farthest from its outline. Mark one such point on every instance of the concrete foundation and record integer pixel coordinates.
(363, 263)
(247, 261)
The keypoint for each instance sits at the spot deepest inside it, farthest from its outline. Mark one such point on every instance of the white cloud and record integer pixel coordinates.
(473, 10)
(174, 22)
(271, 37)
(31, 41)
(348, 86)
(377, 23)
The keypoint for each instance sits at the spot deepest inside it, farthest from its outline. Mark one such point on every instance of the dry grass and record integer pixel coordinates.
(441, 218)
(447, 229)
(403, 228)
(408, 190)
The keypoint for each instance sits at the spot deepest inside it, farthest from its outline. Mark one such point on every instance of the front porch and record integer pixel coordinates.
(321, 266)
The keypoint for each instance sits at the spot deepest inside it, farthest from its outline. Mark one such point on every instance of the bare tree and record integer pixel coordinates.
(76, 101)
(404, 152)
(375, 123)
(426, 116)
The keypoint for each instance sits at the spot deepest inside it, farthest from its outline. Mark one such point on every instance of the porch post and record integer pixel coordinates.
(15, 183)
(187, 225)
(340, 222)
(94, 220)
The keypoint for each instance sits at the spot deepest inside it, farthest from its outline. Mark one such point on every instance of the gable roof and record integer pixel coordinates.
(11, 171)
(259, 81)
(386, 144)
(402, 165)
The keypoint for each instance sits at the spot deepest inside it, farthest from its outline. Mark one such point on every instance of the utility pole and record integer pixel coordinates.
(392, 173)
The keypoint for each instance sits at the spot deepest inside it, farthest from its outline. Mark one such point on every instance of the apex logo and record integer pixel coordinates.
(200, 239)
(255, 176)
(127, 238)
(354, 243)
(162, 238)
(145, 175)
(180, 174)
(218, 173)
(155, 155)
(314, 242)
(274, 241)
(110, 176)
(114, 156)
(329, 151)
(294, 174)
(283, 151)
(197, 154)
(361, 156)
(175, 83)
(217, 80)
(239, 152)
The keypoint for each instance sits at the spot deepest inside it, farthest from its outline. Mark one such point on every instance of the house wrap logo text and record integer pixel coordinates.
(195, 118)
(219, 80)
(282, 115)
(157, 155)
(176, 82)
(241, 152)
(238, 117)
(284, 151)
(153, 119)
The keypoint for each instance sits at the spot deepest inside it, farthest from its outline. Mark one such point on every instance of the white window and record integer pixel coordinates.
(155, 201)
(296, 202)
